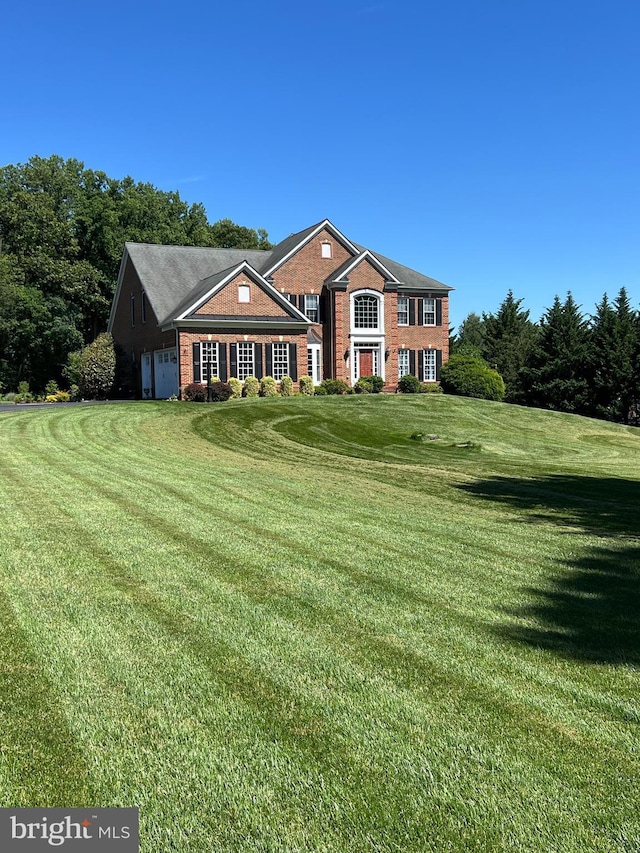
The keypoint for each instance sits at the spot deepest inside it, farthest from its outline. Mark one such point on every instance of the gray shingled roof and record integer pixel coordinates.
(405, 275)
(167, 271)
(174, 276)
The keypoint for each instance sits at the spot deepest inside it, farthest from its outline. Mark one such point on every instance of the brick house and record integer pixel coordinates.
(315, 304)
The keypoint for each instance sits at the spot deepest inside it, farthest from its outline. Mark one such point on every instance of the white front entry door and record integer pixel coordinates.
(166, 373)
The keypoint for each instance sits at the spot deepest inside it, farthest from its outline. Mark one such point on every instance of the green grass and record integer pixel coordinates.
(284, 625)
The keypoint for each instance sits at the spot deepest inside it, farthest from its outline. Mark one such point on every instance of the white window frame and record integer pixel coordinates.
(371, 338)
(326, 250)
(244, 293)
(403, 300)
(429, 365)
(207, 349)
(314, 363)
(246, 359)
(312, 307)
(404, 363)
(279, 360)
(428, 312)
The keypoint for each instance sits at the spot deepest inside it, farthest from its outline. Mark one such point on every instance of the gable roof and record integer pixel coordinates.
(342, 273)
(167, 272)
(174, 276)
(208, 287)
(292, 244)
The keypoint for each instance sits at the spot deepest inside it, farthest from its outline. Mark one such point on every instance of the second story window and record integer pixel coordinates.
(326, 249)
(403, 310)
(429, 312)
(365, 312)
(244, 293)
(312, 307)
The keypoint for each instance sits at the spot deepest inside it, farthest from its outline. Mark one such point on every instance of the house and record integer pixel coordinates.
(316, 304)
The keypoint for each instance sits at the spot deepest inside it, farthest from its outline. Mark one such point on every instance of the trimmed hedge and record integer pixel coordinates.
(195, 392)
(468, 376)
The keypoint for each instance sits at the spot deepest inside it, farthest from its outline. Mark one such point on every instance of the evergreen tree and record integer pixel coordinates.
(555, 375)
(509, 337)
(470, 337)
(613, 355)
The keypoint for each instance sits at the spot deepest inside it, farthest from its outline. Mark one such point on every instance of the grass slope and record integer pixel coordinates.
(283, 625)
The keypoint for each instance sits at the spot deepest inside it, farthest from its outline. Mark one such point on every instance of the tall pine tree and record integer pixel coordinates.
(555, 376)
(509, 337)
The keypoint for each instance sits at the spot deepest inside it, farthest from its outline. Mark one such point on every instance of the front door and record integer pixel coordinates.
(365, 362)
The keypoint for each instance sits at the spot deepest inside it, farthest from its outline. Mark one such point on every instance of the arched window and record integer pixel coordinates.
(365, 312)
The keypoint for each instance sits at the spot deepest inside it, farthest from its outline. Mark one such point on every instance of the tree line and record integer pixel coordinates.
(62, 232)
(568, 361)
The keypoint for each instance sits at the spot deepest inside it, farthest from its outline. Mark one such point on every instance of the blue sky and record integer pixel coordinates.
(491, 144)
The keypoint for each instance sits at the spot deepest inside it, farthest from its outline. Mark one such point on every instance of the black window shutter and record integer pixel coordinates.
(222, 362)
(233, 360)
(412, 312)
(293, 362)
(257, 360)
(321, 301)
(268, 354)
(412, 362)
(301, 305)
(438, 363)
(421, 312)
(421, 363)
(196, 362)
(438, 312)
(292, 298)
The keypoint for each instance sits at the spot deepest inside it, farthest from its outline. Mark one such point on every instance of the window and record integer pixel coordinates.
(326, 249)
(365, 312)
(429, 365)
(280, 361)
(208, 360)
(143, 307)
(245, 360)
(312, 307)
(133, 310)
(429, 312)
(403, 310)
(403, 363)
(244, 293)
(313, 362)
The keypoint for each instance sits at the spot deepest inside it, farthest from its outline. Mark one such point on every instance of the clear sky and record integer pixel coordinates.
(491, 144)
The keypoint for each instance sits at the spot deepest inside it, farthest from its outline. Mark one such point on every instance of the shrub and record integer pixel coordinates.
(74, 393)
(23, 395)
(63, 397)
(268, 387)
(219, 392)
(334, 386)
(286, 386)
(51, 388)
(251, 387)
(376, 383)
(363, 386)
(306, 386)
(430, 388)
(195, 392)
(9, 398)
(409, 384)
(319, 391)
(51, 398)
(98, 368)
(468, 376)
(236, 387)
